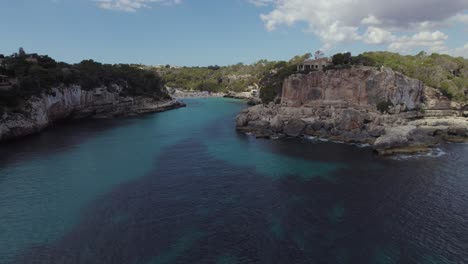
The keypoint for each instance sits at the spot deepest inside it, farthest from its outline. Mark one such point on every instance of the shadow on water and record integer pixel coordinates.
(60, 137)
(215, 196)
(206, 210)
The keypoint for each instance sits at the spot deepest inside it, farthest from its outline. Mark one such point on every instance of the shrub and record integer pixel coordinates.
(445, 73)
(384, 106)
(422, 109)
(342, 58)
(272, 82)
(36, 78)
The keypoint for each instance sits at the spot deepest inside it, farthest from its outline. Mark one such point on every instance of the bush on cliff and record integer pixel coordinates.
(443, 72)
(33, 77)
(384, 106)
(341, 58)
(271, 82)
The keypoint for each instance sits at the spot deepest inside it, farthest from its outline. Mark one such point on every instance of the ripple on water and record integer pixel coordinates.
(184, 187)
(433, 153)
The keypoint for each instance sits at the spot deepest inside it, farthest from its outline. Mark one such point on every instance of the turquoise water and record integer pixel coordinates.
(183, 187)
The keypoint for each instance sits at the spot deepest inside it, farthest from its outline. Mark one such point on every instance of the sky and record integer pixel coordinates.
(222, 32)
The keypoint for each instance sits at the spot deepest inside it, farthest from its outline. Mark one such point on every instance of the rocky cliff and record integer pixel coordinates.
(380, 107)
(363, 86)
(73, 102)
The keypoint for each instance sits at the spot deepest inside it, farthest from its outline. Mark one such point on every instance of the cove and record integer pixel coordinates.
(183, 187)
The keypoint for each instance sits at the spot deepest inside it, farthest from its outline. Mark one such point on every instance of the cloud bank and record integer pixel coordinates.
(402, 25)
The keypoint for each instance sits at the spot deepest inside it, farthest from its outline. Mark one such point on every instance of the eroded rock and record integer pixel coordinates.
(342, 105)
(73, 102)
(294, 127)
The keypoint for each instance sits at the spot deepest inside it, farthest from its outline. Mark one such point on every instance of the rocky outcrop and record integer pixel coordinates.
(73, 103)
(362, 86)
(343, 105)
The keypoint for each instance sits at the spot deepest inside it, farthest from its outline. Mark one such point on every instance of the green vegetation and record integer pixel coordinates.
(32, 75)
(443, 72)
(271, 81)
(384, 106)
(446, 73)
(235, 78)
(341, 58)
(267, 75)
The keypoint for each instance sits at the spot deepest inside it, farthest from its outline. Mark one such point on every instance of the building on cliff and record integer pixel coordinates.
(318, 64)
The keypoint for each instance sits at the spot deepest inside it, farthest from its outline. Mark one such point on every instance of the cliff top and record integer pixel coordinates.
(27, 78)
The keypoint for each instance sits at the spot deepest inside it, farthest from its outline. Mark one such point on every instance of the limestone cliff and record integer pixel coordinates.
(363, 86)
(72, 102)
(343, 105)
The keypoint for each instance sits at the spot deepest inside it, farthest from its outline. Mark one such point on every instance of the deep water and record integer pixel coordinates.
(183, 187)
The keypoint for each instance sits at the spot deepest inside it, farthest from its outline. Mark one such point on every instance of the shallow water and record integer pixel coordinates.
(183, 187)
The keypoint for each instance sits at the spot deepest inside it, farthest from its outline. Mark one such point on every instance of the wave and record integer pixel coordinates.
(433, 153)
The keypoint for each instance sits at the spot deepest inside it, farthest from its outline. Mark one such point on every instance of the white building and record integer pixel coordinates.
(318, 64)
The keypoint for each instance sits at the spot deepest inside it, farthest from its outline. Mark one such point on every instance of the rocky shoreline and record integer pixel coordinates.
(251, 100)
(343, 106)
(181, 94)
(73, 102)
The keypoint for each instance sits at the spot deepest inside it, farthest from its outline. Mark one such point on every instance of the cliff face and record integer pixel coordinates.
(342, 105)
(363, 86)
(73, 102)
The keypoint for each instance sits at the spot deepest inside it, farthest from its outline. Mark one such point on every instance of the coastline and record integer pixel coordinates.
(182, 94)
(389, 111)
(71, 103)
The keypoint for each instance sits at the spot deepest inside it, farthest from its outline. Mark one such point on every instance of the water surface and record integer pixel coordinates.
(183, 187)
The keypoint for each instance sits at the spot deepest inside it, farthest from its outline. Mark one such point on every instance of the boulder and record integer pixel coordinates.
(349, 119)
(459, 131)
(276, 124)
(242, 120)
(376, 131)
(394, 137)
(316, 125)
(294, 127)
(259, 124)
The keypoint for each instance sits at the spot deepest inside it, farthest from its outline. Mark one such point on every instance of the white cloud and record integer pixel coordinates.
(461, 18)
(371, 20)
(375, 35)
(131, 5)
(431, 41)
(462, 51)
(395, 23)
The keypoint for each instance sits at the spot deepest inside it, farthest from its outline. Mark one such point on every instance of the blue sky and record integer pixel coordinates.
(208, 32)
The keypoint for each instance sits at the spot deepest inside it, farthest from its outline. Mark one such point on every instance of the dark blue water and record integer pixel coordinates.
(184, 187)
